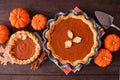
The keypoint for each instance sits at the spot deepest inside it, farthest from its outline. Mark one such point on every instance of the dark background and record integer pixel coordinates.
(48, 70)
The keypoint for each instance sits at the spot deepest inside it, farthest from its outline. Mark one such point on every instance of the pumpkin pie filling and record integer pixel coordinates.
(76, 51)
(24, 49)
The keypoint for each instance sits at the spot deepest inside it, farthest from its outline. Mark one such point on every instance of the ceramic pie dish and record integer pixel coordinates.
(71, 39)
(23, 47)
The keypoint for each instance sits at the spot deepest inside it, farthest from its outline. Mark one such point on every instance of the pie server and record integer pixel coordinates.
(105, 20)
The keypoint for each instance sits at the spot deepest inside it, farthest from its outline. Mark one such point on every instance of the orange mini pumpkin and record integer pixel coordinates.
(4, 34)
(112, 42)
(39, 22)
(19, 18)
(104, 58)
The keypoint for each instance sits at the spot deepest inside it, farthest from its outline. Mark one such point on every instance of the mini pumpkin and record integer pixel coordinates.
(39, 22)
(112, 42)
(4, 34)
(19, 18)
(103, 58)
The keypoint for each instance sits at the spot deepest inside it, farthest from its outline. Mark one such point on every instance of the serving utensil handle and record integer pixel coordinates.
(114, 26)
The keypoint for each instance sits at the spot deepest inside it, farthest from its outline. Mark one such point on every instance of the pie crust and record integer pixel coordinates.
(51, 29)
(22, 35)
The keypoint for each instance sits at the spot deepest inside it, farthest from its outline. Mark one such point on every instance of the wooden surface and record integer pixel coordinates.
(48, 70)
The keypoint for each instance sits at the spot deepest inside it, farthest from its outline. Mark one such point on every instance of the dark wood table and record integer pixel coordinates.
(48, 70)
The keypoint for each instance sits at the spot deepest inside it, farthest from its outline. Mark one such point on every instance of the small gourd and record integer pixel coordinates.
(112, 42)
(103, 58)
(19, 18)
(38, 22)
(4, 34)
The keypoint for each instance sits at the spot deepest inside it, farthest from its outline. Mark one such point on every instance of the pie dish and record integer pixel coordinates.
(23, 47)
(71, 39)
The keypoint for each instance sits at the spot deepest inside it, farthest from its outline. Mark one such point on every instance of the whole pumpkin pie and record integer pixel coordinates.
(71, 39)
(23, 47)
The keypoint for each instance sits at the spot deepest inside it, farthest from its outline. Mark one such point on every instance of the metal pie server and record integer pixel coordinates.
(105, 20)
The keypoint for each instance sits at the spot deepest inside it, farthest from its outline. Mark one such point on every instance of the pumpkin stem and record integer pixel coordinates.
(18, 16)
(105, 58)
(114, 43)
(38, 20)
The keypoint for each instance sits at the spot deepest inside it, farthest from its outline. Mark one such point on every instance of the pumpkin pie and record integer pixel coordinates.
(72, 39)
(23, 47)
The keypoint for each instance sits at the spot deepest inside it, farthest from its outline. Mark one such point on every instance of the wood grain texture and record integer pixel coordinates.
(48, 70)
(40, 77)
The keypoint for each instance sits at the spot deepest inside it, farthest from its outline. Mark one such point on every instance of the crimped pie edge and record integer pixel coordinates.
(18, 35)
(91, 25)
